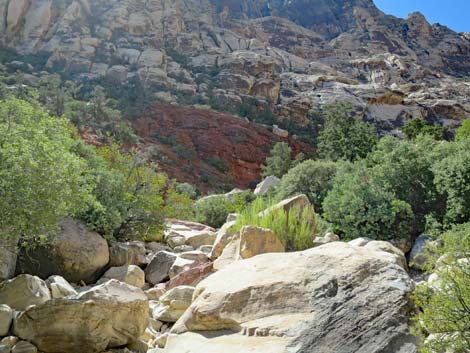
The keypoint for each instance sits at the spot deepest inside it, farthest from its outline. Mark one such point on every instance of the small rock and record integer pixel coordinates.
(130, 253)
(155, 293)
(206, 249)
(6, 317)
(417, 257)
(159, 267)
(24, 347)
(22, 291)
(224, 236)
(131, 275)
(359, 242)
(9, 341)
(328, 238)
(59, 287)
(182, 248)
(268, 184)
(173, 304)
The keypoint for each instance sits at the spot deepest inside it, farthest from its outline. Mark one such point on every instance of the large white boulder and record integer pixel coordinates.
(113, 314)
(268, 184)
(335, 298)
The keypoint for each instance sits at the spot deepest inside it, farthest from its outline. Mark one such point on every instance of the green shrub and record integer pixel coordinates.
(418, 127)
(463, 132)
(280, 160)
(359, 206)
(212, 211)
(343, 136)
(312, 178)
(41, 179)
(445, 306)
(295, 228)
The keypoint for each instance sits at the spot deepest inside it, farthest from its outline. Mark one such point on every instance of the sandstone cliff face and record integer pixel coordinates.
(291, 56)
(288, 57)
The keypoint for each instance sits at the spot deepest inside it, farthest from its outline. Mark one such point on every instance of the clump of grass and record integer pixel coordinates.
(296, 228)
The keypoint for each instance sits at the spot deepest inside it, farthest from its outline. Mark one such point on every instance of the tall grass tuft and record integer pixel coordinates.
(296, 227)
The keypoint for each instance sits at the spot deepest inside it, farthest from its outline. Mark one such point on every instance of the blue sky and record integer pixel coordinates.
(452, 13)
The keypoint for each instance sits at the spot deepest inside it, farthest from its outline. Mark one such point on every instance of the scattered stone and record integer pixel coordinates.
(6, 318)
(158, 269)
(267, 185)
(9, 341)
(223, 237)
(59, 287)
(192, 276)
(173, 304)
(22, 291)
(24, 347)
(206, 249)
(131, 275)
(189, 233)
(327, 238)
(130, 253)
(182, 248)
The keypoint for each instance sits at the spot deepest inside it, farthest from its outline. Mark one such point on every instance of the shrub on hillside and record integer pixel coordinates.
(312, 178)
(295, 228)
(280, 160)
(463, 132)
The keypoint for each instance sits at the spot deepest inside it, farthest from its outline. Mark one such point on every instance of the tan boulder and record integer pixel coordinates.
(59, 287)
(255, 241)
(132, 275)
(113, 314)
(173, 304)
(314, 301)
(24, 347)
(223, 237)
(189, 233)
(22, 291)
(76, 254)
(6, 318)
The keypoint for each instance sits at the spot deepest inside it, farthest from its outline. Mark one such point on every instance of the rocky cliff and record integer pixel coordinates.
(284, 57)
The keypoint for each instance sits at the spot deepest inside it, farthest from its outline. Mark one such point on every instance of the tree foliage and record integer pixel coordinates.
(343, 136)
(41, 179)
(463, 132)
(280, 160)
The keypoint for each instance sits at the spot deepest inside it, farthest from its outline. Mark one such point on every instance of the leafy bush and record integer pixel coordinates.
(41, 179)
(344, 137)
(280, 160)
(418, 127)
(295, 228)
(212, 211)
(444, 305)
(463, 132)
(312, 178)
(359, 206)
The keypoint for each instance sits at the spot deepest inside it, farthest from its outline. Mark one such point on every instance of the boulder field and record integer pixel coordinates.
(204, 290)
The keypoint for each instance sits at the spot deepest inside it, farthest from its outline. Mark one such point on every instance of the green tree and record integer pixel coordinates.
(452, 179)
(312, 178)
(41, 179)
(444, 319)
(129, 194)
(54, 95)
(280, 160)
(343, 136)
(417, 127)
(359, 206)
(463, 132)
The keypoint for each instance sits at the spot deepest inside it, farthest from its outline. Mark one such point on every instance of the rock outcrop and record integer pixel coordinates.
(334, 298)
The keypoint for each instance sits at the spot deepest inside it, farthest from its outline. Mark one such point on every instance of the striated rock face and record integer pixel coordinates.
(334, 298)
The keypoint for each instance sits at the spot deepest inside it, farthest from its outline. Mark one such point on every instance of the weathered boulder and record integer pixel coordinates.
(76, 254)
(130, 253)
(314, 301)
(256, 240)
(299, 201)
(223, 237)
(24, 347)
(113, 314)
(9, 341)
(189, 233)
(59, 287)
(268, 184)
(173, 304)
(8, 256)
(6, 317)
(131, 275)
(159, 267)
(22, 291)
(192, 276)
